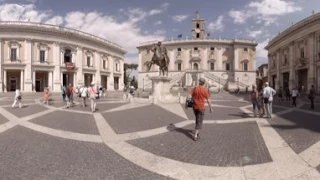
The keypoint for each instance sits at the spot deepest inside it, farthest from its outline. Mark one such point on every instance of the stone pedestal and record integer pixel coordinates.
(160, 88)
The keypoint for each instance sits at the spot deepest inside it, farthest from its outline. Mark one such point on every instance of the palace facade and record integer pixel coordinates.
(34, 56)
(224, 63)
(294, 56)
(262, 75)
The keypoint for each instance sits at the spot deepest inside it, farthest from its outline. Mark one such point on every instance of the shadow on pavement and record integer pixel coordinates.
(186, 132)
(241, 114)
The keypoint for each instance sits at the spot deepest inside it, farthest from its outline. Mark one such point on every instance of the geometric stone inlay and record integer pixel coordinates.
(235, 144)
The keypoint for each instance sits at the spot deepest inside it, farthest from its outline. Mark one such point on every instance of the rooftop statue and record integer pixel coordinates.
(159, 58)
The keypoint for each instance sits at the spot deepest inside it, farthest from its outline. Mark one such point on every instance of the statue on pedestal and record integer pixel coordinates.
(159, 58)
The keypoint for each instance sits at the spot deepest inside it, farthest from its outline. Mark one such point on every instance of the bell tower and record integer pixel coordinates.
(198, 27)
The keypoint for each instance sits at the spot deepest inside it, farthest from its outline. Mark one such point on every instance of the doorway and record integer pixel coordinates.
(38, 85)
(13, 84)
(116, 83)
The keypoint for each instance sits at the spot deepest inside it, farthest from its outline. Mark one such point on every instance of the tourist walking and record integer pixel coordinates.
(311, 96)
(70, 93)
(268, 94)
(100, 92)
(84, 95)
(199, 95)
(93, 96)
(63, 92)
(255, 101)
(280, 94)
(294, 95)
(45, 96)
(261, 103)
(17, 99)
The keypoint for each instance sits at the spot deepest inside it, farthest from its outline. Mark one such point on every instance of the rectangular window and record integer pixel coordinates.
(104, 64)
(198, 25)
(88, 61)
(245, 49)
(198, 35)
(196, 49)
(211, 66)
(245, 66)
(228, 67)
(13, 54)
(42, 56)
(212, 49)
(179, 49)
(302, 52)
(179, 66)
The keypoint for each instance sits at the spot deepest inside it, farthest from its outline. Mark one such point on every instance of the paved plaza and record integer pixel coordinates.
(137, 140)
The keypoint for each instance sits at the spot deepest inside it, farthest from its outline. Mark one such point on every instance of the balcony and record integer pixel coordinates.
(302, 61)
(195, 55)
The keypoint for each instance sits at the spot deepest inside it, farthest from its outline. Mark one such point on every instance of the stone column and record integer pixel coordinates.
(269, 68)
(219, 61)
(311, 59)
(5, 80)
(140, 61)
(277, 86)
(74, 84)
(185, 58)
(50, 80)
(79, 65)
(97, 60)
(21, 81)
(111, 79)
(121, 83)
(28, 85)
(1, 81)
(254, 61)
(57, 58)
(34, 81)
(204, 59)
(291, 65)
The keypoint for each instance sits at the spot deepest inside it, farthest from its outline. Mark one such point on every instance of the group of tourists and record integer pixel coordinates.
(92, 93)
(261, 98)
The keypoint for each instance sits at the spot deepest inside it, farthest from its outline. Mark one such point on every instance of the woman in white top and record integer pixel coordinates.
(17, 98)
(83, 91)
(294, 94)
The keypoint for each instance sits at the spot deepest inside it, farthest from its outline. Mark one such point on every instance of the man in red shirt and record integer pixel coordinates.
(200, 95)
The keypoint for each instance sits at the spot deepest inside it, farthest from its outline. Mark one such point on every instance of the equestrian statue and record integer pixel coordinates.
(159, 58)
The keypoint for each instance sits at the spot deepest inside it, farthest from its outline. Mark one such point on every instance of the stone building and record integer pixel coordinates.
(294, 56)
(34, 56)
(262, 75)
(228, 63)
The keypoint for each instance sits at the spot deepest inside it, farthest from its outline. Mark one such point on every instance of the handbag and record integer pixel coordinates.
(266, 100)
(190, 101)
(19, 97)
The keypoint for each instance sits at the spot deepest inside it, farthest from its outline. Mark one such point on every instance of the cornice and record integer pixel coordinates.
(56, 30)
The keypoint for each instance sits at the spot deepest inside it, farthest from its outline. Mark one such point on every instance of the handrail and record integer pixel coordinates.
(216, 78)
(65, 29)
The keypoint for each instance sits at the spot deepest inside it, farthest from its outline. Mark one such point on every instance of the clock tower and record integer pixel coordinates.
(198, 31)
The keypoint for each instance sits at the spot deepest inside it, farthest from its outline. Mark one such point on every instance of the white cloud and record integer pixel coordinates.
(160, 32)
(126, 33)
(239, 17)
(260, 51)
(157, 23)
(16, 12)
(155, 11)
(216, 25)
(265, 11)
(254, 33)
(56, 20)
(180, 18)
(165, 5)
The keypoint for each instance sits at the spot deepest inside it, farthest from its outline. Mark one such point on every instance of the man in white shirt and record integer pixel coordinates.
(294, 94)
(83, 91)
(268, 94)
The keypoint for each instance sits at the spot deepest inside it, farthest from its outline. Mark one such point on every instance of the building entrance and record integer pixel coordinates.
(303, 80)
(116, 83)
(13, 84)
(285, 77)
(67, 78)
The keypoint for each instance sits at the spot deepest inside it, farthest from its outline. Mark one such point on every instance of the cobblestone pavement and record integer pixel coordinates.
(136, 140)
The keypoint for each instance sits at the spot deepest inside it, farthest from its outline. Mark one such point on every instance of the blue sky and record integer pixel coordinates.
(128, 22)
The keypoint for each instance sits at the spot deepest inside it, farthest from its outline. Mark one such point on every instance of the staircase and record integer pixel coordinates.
(215, 78)
(174, 79)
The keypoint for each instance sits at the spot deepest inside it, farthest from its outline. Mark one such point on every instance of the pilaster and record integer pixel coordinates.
(28, 86)
(1, 81)
(79, 65)
(110, 77)
(236, 58)
(186, 58)
(57, 58)
(219, 63)
(97, 59)
(22, 80)
(269, 68)
(311, 58)
(291, 65)
(204, 58)
(50, 80)
(140, 61)
(278, 70)
(172, 59)
(121, 82)
(5, 80)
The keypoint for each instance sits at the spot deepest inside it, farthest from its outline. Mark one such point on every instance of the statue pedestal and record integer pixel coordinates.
(160, 88)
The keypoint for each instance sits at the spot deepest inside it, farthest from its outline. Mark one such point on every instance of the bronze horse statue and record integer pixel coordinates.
(160, 59)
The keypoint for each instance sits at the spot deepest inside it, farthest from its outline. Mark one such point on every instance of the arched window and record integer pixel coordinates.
(245, 66)
(195, 66)
(67, 55)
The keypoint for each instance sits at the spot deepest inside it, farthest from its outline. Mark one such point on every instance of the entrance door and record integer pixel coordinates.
(116, 83)
(38, 86)
(13, 84)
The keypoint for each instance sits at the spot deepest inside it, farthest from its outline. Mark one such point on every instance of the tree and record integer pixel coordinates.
(128, 68)
(134, 82)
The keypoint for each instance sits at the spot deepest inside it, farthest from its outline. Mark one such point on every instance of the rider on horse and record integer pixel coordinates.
(163, 51)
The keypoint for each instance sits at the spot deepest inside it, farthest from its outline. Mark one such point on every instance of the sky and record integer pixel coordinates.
(129, 22)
